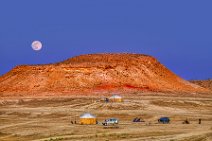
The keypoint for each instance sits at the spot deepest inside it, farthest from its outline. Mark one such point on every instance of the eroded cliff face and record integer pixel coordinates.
(93, 72)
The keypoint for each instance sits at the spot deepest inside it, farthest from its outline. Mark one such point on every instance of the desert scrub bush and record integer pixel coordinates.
(55, 139)
(124, 135)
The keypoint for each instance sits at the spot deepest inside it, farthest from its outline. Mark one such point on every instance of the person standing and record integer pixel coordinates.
(200, 120)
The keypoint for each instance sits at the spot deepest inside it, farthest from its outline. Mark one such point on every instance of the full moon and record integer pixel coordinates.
(36, 45)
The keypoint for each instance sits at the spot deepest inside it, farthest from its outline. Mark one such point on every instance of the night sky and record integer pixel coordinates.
(178, 33)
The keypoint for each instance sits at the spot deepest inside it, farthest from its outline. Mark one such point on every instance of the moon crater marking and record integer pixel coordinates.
(36, 45)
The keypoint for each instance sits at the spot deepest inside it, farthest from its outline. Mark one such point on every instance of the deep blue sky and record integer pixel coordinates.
(178, 33)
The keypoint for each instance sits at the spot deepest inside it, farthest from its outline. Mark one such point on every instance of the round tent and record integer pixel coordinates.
(88, 118)
(116, 98)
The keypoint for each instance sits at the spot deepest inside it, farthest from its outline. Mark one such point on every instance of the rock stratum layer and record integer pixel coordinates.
(96, 72)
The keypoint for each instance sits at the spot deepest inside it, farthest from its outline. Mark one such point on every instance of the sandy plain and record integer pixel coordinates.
(49, 118)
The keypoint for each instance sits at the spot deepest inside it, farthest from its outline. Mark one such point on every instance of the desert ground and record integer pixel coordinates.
(49, 118)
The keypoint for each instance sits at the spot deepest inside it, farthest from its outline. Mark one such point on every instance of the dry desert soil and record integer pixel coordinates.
(49, 118)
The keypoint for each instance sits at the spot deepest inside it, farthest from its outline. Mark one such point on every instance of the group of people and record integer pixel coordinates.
(187, 122)
(73, 122)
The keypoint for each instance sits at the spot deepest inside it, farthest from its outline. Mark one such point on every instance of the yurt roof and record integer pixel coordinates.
(115, 96)
(87, 115)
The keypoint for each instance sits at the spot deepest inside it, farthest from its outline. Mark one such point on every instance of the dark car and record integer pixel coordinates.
(138, 120)
(164, 120)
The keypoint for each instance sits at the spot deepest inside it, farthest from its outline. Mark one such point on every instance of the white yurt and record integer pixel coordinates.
(116, 98)
(88, 118)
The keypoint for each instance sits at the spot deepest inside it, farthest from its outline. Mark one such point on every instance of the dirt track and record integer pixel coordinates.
(50, 118)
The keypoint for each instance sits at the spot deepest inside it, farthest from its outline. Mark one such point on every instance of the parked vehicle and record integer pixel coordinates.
(164, 120)
(138, 119)
(110, 121)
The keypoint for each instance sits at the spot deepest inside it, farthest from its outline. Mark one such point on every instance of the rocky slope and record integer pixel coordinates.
(203, 83)
(96, 72)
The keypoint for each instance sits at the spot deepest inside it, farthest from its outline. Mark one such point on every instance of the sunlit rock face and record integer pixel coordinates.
(96, 72)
